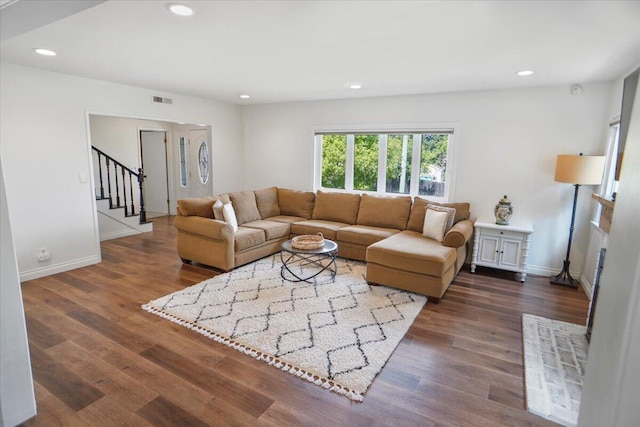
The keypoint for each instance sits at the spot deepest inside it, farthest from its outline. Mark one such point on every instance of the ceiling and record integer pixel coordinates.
(282, 51)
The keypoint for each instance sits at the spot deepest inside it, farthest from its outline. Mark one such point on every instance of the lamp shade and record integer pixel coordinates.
(583, 170)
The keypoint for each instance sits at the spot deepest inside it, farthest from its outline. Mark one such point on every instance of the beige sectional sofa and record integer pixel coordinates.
(386, 232)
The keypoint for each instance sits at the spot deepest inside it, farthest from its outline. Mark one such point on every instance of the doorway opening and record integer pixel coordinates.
(155, 165)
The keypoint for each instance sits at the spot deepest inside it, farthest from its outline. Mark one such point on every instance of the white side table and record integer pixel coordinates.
(505, 247)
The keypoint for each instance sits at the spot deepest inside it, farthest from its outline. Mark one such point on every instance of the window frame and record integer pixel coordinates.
(452, 129)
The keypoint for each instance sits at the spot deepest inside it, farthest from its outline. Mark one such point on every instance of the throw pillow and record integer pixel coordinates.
(451, 214)
(230, 216)
(435, 223)
(217, 210)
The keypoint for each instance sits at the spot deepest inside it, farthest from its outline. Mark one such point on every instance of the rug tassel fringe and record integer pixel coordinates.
(269, 360)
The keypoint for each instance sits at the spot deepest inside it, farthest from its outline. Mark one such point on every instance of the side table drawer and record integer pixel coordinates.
(500, 233)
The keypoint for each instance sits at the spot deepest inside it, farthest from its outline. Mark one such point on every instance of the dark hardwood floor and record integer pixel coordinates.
(99, 359)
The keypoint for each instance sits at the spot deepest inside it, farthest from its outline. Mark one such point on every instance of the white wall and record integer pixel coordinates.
(507, 144)
(612, 381)
(17, 399)
(44, 148)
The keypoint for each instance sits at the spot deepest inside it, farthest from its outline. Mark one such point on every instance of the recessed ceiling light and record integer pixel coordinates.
(524, 73)
(245, 96)
(45, 52)
(180, 9)
(355, 86)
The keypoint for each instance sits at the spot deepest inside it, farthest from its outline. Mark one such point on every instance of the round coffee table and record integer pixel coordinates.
(315, 261)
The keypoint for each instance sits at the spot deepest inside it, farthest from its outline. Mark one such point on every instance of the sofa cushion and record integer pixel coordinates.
(288, 219)
(416, 219)
(327, 228)
(411, 251)
(386, 212)
(363, 234)
(244, 203)
(197, 206)
(272, 229)
(267, 201)
(218, 210)
(246, 238)
(338, 207)
(296, 203)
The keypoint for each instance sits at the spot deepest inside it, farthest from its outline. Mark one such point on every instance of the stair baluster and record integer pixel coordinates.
(124, 192)
(117, 186)
(100, 173)
(109, 183)
(131, 193)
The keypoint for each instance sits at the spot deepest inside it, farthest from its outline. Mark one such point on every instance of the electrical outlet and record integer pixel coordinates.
(43, 255)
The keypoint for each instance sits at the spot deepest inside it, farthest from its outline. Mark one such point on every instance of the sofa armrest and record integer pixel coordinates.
(459, 234)
(211, 228)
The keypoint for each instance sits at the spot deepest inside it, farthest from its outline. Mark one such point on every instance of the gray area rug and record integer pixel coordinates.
(555, 358)
(336, 332)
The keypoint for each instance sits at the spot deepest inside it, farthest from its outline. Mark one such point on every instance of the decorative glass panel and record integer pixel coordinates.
(203, 162)
(183, 162)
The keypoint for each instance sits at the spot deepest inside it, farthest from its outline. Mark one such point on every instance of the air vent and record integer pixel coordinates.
(162, 100)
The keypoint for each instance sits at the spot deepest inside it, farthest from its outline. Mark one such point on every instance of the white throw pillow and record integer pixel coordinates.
(230, 216)
(435, 222)
(217, 210)
(451, 214)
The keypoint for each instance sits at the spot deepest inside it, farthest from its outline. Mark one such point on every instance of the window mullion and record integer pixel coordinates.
(382, 163)
(348, 173)
(415, 164)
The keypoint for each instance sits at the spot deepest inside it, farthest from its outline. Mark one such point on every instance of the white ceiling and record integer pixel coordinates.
(279, 51)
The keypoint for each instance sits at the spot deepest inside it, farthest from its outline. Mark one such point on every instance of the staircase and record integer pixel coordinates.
(118, 190)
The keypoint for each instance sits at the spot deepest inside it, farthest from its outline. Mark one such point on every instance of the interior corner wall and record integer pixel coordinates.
(17, 399)
(612, 380)
(506, 143)
(46, 155)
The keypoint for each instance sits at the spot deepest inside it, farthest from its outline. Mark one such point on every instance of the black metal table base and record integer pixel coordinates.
(298, 259)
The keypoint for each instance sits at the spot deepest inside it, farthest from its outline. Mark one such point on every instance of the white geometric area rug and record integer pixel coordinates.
(336, 332)
(555, 358)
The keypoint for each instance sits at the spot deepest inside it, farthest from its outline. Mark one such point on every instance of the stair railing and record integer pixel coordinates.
(119, 177)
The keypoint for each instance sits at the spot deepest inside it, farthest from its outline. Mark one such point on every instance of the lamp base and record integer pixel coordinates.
(564, 277)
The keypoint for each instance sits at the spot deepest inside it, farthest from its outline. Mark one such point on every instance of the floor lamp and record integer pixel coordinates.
(576, 170)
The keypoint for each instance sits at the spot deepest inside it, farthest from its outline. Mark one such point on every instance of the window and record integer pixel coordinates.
(609, 185)
(608, 179)
(413, 163)
(183, 163)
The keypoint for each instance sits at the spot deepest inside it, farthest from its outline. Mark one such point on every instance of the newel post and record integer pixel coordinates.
(143, 214)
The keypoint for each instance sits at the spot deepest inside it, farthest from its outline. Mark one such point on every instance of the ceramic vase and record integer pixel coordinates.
(503, 211)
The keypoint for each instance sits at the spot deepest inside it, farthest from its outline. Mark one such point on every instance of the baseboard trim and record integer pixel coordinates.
(36, 273)
(118, 234)
(586, 286)
(544, 271)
